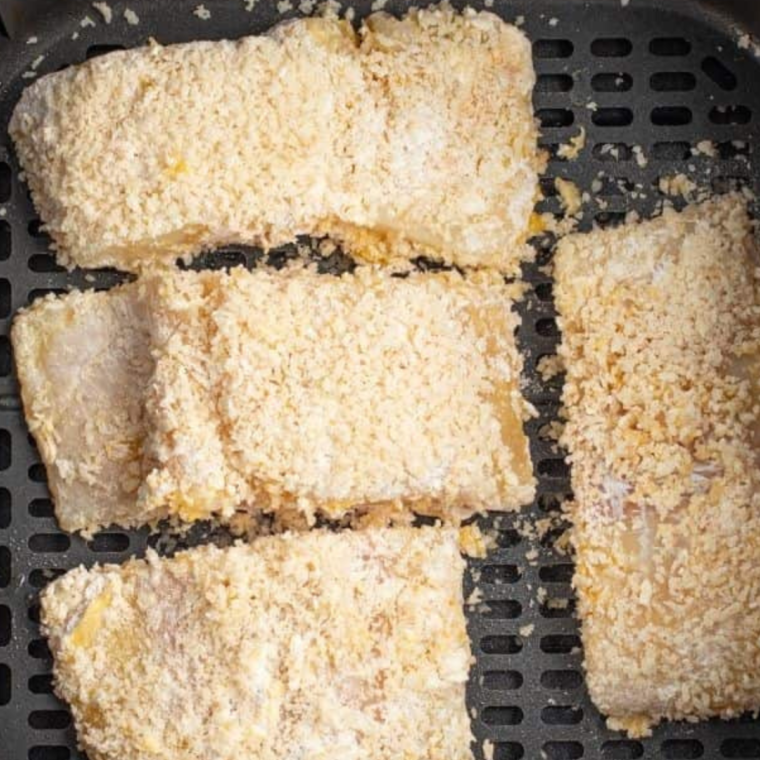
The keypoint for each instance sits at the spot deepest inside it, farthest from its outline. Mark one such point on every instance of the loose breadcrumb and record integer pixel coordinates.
(131, 17)
(572, 149)
(570, 196)
(86, 21)
(104, 9)
(677, 185)
(346, 143)
(317, 645)
(661, 341)
(202, 12)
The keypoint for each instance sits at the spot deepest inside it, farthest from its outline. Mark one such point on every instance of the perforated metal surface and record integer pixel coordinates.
(660, 75)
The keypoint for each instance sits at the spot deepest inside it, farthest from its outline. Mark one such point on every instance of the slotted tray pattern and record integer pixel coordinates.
(648, 82)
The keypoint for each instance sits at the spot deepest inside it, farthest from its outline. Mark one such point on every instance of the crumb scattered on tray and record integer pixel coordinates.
(202, 12)
(104, 9)
(550, 366)
(705, 148)
(527, 630)
(678, 184)
(284, 6)
(131, 17)
(638, 154)
(32, 41)
(570, 196)
(86, 21)
(572, 149)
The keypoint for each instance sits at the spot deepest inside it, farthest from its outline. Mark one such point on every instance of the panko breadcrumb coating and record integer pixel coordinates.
(324, 395)
(83, 363)
(661, 326)
(317, 645)
(408, 137)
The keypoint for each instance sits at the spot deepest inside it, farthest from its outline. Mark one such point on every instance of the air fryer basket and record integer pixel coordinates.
(648, 80)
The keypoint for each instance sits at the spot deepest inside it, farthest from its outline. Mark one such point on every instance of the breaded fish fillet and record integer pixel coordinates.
(83, 363)
(317, 645)
(661, 329)
(408, 137)
(322, 395)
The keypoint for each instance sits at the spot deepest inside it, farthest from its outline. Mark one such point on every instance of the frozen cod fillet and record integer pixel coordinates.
(83, 363)
(316, 645)
(293, 391)
(661, 332)
(412, 136)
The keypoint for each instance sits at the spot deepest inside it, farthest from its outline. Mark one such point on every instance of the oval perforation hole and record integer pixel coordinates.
(611, 82)
(612, 117)
(33, 613)
(724, 115)
(502, 609)
(733, 149)
(559, 573)
(612, 152)
(109, 542)
(5, 685)
(499, 575)
(673, 81)
(670, 47)
(40, 577)
(547, 327)
(5, 240)
(740, 748)
(5, 356)
(671, 116)
(553, 468)
(49, 543)
(47, 719)
(41, 508)
(5, 298)
(44, 263)
(552, 48)
(5, 625)
(502, 680)
(42, 683)
(39, 650)
(5, 449)
(37, 473)
(561, 715)
(5, 566)
(561, 680)
(560, 643)
(611, 47)
(557, 608)
(671, 151)
(506, 715)
(622, 749)
(554, 118)
(562, 750)
(554, 83)
(501, 644)
(49, 752)
(722, 185)
(605, 219)
(682, 749)
(5, 508)
(508, 751)
(552, 502)
(5, 182)
(720, 74)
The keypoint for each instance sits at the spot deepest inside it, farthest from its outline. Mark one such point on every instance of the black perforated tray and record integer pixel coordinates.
(664, 75)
